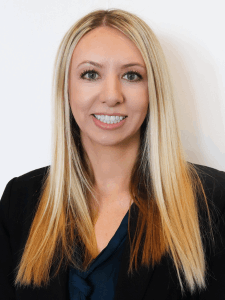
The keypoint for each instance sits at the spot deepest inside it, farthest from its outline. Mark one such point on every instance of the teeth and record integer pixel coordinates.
(109, 119)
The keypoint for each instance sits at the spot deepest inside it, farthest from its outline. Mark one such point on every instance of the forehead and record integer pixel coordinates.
(106, 42)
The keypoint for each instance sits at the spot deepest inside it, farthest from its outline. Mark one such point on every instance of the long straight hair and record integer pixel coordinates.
(164, 185)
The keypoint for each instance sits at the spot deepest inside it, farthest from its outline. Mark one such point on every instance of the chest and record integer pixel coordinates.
(106, 226)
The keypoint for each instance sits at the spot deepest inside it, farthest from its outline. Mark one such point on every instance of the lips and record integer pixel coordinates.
(106, 126)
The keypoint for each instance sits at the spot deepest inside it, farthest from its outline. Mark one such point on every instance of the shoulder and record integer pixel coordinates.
(32, 177)
(210, 175)
(25, 182)
(25, 185)
(213, 181)
(20, 196)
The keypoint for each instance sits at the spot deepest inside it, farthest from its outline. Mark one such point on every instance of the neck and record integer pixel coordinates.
(112, 166)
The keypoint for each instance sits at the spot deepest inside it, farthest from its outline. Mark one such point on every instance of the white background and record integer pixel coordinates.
(191, 34)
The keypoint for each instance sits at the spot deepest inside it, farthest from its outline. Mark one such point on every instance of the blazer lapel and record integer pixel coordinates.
(147, 283)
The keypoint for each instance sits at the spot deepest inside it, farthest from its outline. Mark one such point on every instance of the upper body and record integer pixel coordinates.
(118, 136)
(17, 210)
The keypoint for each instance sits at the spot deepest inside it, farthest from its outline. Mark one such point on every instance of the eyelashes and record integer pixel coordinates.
(94, 72)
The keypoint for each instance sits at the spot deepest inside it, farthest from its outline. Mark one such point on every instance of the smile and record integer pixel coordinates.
(107, 124)
(109, 119)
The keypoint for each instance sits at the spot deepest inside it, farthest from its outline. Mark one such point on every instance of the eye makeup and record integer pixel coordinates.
(95, 72)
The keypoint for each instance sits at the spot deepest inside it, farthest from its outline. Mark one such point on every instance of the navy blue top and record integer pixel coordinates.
(99, 281)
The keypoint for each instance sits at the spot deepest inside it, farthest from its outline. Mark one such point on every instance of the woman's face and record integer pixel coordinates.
(109, 88)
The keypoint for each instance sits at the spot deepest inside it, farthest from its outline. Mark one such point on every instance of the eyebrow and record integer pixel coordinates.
(100, 66)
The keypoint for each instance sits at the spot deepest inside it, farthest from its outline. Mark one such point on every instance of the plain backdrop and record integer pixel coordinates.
(191, 34)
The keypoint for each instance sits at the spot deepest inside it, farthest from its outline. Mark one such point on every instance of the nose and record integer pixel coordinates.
(112, 90)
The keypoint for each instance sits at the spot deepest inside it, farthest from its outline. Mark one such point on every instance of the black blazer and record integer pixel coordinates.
(17, 210)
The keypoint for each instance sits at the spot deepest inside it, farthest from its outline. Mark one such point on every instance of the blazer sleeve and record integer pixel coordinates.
(216, 280)
(7, 290)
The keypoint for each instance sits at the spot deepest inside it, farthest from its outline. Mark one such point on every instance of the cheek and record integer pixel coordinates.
(140, 101)
(145, 101)
(139, 108)
(80, 109)
(79, 95)
(76, 98)
(79, 102)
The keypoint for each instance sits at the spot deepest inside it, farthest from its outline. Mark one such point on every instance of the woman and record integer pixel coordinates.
(120, 213)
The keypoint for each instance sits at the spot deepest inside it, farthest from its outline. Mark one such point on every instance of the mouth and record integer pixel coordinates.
(103, 124)
(118, 121)
(96, 118)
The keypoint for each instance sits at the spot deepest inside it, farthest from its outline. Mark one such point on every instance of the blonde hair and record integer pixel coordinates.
(164, 186)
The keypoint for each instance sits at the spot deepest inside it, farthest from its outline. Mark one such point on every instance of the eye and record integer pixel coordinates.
(134, 73)
(88, 72)
(92, 71)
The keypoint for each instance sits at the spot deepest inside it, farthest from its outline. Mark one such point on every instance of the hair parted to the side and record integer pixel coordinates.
(164, 186)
